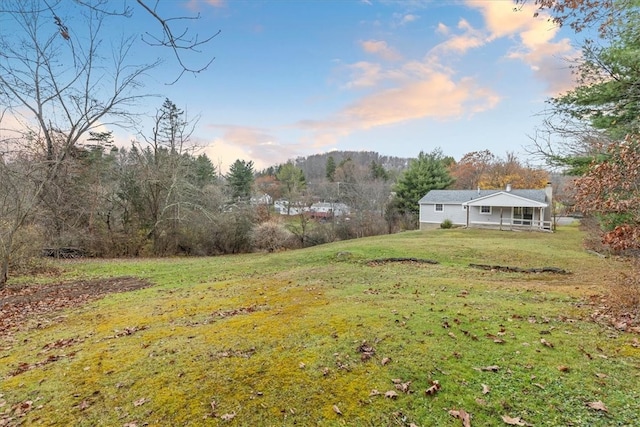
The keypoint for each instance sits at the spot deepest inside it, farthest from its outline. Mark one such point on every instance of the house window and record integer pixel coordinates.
(439, 207)
(522, 215)
(486, 210)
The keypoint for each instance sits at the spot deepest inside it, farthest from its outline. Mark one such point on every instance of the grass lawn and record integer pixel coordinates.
(322, 336)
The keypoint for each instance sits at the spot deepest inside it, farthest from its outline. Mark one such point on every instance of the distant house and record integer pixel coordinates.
(322, 210)
(319, 210)
(264, 199)
(284, 208)
(504, 209)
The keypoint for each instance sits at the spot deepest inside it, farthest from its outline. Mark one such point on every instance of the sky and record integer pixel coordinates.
(294, 78)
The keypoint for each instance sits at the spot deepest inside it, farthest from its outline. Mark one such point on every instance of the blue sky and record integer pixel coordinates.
(293, 78)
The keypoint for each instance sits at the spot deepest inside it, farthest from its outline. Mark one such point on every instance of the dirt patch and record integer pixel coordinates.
(383, 261)
(35, 305)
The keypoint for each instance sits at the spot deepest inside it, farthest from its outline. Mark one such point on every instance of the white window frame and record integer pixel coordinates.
(435, 207)
(482, 212)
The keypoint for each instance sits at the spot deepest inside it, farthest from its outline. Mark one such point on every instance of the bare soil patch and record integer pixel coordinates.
(35, 305)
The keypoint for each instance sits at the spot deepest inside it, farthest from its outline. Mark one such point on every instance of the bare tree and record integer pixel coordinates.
(58, 88)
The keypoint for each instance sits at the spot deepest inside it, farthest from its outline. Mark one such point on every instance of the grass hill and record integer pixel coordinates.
(339, 334)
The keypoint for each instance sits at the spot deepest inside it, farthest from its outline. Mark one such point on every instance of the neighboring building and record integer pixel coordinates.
(323, 210)
(504, 209)
(264, 199)
(283, 208)
(317, 210)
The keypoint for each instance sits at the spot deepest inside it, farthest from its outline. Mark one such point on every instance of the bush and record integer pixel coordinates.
(446, 224)
(271, 236)
(621, 307)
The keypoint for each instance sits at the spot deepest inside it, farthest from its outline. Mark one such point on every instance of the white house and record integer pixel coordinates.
(328, 210)
(504, 209)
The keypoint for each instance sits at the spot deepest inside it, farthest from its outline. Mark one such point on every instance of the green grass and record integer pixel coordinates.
(274, 339)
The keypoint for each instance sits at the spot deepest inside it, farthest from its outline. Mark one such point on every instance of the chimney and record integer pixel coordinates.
(548, 191)
(478, 190)
(508, 188)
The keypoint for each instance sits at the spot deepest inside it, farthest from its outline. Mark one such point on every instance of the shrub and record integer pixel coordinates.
(446, 223)
(271, 236)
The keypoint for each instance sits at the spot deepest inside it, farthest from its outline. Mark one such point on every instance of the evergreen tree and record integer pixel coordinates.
(240, 180)
(427, 172)
(330, 168)
(291, 178)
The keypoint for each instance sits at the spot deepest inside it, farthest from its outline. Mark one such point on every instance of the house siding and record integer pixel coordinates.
(454, 213)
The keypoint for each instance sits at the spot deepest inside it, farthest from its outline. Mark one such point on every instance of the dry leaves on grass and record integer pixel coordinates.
(435, 387)
(517, 421)
(140, 401)
(598, 406)
(391, 394)
(228, 417)
(337, 410)
(37, 304)
(462, 415)
(546, 343)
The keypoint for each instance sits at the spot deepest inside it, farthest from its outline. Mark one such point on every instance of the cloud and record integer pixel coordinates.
(537, 44)
(436, 95)
(246, 143)
(195, 4)
(443, 29)
(364, 74)
(381, 49)
(408, 18)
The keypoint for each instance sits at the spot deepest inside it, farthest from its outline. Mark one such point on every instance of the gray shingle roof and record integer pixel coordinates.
(461, 196)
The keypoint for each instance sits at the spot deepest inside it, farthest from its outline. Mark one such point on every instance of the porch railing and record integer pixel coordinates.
(519, 224)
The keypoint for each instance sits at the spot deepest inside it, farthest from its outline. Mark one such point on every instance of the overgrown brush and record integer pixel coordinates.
(624, 298)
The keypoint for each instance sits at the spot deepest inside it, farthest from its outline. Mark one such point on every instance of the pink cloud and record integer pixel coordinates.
(538, 46)
(381, 49)
(436, 95)
(244, 143)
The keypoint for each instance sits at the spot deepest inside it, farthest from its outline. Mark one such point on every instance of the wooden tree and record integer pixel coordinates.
(468, 172)
(611, 190)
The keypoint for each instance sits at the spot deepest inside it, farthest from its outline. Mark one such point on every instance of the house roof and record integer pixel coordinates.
(458, 197)
(505, 199)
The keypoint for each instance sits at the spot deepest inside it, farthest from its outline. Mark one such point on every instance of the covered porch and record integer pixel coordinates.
(507, 212)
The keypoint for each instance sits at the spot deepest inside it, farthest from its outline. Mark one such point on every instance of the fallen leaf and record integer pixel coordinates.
(374, 392)
(404, 387)
(337, 410)
(140, 401)
(302, 365)
(452, 335)
(514, 421)
(463, 415)
(492, 368)
(228, 417)
(435, 386)
(391, 394)
(83, 405)
(385, 361)
(130, 425)
(485, 389)
(546, 343)
(563, 368)
(598, 406)
(600, 375)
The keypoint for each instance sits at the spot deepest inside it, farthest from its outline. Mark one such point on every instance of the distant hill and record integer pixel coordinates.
(314, 166)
